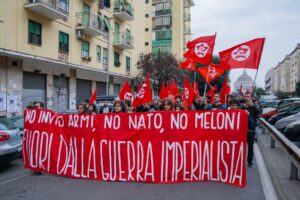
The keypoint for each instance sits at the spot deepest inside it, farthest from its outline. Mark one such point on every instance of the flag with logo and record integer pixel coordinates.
(211, 72)
(196, 89)
(201, 49)
(173, 89)
(189, 64)
(245, 55)
(188, 93)
(211, 93)
(125, 93)
(144, 94)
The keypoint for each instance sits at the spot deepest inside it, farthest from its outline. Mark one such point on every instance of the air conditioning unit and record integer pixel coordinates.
(79, 34)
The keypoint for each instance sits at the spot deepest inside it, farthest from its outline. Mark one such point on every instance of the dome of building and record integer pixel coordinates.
(244, 77)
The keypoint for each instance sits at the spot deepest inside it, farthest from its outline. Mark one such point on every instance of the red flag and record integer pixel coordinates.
(125, 93)
(188, 93)
(241, 89)
(163, 91)
(211, 93)
(93, 97)
(189, 64)
(196, 90)
(201, 49)
(173, 90)
(245, 55)
(225, 91)
(144, 94)
(210, 73)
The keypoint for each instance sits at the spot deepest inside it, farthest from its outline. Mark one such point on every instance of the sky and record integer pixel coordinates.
(238, 21)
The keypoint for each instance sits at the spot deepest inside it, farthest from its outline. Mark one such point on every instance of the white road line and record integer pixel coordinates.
(13, 179)
(269, 191)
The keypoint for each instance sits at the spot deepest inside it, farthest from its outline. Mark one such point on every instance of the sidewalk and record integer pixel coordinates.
(279, 166)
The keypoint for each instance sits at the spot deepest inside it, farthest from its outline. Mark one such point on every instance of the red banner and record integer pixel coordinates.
(157, 147)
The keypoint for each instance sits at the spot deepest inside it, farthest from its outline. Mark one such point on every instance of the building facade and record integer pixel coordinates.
(269, 79)
(245, 81)
(168, 26)
(58, 52)
(286, 74)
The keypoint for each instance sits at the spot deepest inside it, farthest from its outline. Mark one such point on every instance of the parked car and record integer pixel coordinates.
(10, 141)
(19, 123)
(286, 101)
(292, 131)
(283, 123)
(279, 116)
(270, 104)
(281, 109)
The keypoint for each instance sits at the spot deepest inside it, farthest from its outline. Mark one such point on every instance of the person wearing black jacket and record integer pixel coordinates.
(252, 123)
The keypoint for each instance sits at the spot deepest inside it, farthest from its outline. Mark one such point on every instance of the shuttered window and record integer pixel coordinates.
(85, 48)
(34, 33)
(63, 42)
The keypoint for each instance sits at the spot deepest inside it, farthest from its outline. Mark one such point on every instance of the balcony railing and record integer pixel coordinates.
(91, 24)
(51, 9)
(123, 40)
(187, 31)
(161, 1)
(158, 13)
(187, 17)
(123, 10)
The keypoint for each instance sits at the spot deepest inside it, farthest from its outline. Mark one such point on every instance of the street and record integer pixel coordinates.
(18, 183)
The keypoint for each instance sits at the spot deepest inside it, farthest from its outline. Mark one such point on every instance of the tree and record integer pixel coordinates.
(162, 68)
(259, 91)
(283, 95)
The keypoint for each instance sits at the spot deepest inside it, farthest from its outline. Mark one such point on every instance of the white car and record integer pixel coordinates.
(283, 123)
(10, 141)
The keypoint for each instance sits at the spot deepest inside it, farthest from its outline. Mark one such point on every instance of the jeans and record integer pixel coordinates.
(250, 140)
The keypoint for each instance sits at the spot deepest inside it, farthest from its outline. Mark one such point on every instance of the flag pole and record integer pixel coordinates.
(257, 67)
(206, 82)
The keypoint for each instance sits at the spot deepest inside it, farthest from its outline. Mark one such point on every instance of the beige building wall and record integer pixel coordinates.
(295, 67)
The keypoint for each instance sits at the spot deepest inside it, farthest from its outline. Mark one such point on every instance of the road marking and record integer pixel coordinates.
(269, 191)
(13, 179)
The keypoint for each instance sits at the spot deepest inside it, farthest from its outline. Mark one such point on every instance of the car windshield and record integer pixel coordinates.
(19, 123)
(286, 108)
(6, 124)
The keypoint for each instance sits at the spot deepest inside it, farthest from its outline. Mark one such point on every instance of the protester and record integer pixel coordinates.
(178, 107)
(82, 108)
(217, 105)
(119, 106)
(30, 105)
(199, 103)
(105, 108)
(167, 105)
(252, 123)
(234, 104)
(39, 105)
(93, 109)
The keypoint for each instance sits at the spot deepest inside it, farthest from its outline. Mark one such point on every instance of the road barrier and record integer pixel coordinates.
(289, 148)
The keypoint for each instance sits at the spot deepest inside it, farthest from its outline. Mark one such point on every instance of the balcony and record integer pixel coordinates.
(161, 1)
(90, 23)
(123, 10)
(158, 13)
(50, 9)
(123, 40)
(187, 31)
(187, 17)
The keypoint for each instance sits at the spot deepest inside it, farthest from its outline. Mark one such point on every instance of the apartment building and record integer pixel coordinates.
(269, 81)
(286, 74)
(58, 52)
(168, 26)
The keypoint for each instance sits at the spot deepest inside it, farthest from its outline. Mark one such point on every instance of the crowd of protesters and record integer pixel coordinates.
(245, 102)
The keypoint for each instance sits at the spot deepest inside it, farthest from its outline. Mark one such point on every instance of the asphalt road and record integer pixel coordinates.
(18, 183)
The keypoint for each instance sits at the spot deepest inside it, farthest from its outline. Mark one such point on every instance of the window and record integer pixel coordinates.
(146, 43)
(85, 49)
(34, 33)
(63, 42)
(128, 37)
(146, 15)
(117, 59)
(146, 1)
(146, 29)
(105, 56)
(98, 53)
(127, 64)
(64, 5)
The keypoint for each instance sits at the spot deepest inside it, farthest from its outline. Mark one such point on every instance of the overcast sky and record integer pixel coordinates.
(237, 21)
